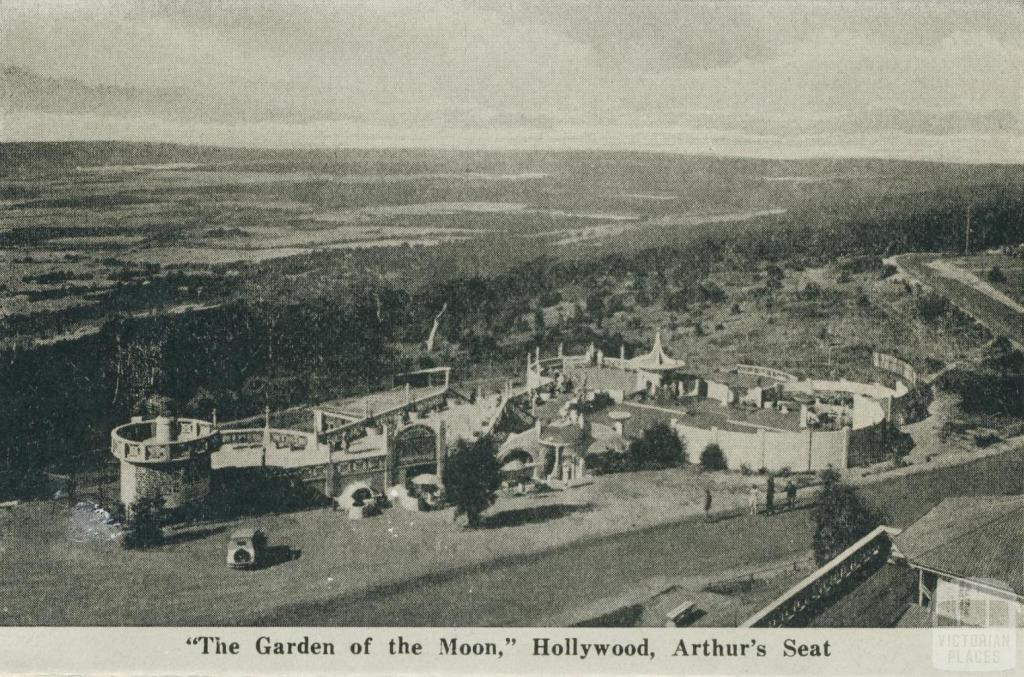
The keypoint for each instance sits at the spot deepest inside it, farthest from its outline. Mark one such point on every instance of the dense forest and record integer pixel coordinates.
(283, 340)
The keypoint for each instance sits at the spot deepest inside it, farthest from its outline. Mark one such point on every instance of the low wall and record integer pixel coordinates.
(806, 450)
(875, 390)
(895, 365)
(768, 372)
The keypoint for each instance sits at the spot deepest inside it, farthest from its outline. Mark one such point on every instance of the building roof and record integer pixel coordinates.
(879, 601)
(970, 537)
(656, 360)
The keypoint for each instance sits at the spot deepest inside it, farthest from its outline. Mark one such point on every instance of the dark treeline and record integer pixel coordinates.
(292, 339)
(62, 399)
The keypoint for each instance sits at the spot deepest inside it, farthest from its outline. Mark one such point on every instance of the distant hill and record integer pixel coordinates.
(45, 157)
(38, 157)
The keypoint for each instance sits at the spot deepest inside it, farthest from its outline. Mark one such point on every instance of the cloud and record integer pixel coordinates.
(519, 70)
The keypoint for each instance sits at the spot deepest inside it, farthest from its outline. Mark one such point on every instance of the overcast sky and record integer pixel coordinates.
(933, 80)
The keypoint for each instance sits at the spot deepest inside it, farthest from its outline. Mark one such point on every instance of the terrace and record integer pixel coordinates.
(702, 413)
(358, 408)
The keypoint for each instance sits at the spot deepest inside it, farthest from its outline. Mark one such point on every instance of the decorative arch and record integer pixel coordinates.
(414, 442)
(516, 453)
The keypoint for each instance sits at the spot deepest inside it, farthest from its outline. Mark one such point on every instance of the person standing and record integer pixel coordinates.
(791, 494)
(707, 503)
(753, 499)
(769, 496)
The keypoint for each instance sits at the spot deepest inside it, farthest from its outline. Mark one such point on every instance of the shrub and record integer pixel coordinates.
(143, 529)
(713, 458)
(917, 401)
(658, 447)
(932, 307)
(828, 475)
(993, 387)
(608, 463)
(600, 402)
(986, 439)
(745, 469)
(996, 275)
(861, 264)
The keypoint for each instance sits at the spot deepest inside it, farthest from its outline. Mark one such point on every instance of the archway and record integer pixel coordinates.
(524, 457)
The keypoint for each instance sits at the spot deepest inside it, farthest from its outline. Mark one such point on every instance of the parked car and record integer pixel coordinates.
(247, 549)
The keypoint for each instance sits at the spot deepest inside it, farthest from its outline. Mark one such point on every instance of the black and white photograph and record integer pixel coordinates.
(664, 317)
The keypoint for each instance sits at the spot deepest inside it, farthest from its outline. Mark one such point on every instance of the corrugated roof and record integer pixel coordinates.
(970, 537)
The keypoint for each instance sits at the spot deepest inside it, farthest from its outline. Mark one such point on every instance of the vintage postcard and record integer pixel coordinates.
(572, 337)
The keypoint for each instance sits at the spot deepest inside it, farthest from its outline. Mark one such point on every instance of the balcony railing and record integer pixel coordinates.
(793, 607)
(130, 442)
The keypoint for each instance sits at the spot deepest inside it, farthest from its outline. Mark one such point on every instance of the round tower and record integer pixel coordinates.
(165, 456)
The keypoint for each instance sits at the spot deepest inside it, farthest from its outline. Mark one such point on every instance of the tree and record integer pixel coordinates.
(841, 517)
(713, 458)
(658, 447)
(471, 478)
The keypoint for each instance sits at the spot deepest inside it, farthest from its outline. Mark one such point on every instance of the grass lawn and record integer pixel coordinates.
(186, 581)
(421, 569)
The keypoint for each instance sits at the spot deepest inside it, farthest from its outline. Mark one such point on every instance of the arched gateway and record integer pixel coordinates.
(415, 451)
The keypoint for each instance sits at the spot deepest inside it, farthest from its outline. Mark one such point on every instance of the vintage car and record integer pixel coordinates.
(247, 549)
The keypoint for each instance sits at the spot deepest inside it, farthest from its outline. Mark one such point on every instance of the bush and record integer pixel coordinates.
(828, 475)
(608, 463)
(600, 402)
(713, 458)
(143, 528)
(996, 275)
(994, 387)
(986, 439)
(917, 401)
(861, 264)
(659, 447)
(745, 469)
(931, 307)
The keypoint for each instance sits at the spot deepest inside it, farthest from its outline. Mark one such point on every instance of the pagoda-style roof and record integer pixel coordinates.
(656, 360)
